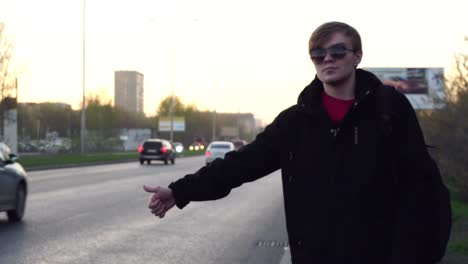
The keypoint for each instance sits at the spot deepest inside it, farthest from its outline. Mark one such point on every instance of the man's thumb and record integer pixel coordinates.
(151, 189)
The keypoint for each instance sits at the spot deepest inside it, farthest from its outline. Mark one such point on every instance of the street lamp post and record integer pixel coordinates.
(213, 126)
(83, 106)
(171, 115)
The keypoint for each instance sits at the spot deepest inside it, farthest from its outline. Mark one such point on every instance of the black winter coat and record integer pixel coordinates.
(344, 202)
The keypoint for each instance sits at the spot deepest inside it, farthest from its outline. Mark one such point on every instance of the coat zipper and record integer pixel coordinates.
(356, 135)
(336, 131)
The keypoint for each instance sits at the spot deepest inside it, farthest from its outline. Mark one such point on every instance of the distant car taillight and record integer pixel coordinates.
(140, 149)
(207, 153)
(163, 149)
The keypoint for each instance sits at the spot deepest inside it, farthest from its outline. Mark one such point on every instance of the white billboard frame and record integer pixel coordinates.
(427, 83)
(165, 124)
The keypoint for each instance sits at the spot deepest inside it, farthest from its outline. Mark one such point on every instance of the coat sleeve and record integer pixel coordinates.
(215, 181)
(417, 224)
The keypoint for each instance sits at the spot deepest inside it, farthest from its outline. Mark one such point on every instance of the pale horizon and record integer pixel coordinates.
(244, 56)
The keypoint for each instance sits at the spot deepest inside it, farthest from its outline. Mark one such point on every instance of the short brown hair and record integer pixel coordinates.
(324, 32)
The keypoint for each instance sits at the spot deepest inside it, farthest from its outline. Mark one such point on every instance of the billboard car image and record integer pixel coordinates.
(424, 87)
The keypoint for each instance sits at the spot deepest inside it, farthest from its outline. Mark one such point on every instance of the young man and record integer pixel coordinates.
(356, 189)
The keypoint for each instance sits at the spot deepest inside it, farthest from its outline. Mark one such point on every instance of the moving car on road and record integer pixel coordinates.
(156, 149)
(13, 185)
(195, 146)
(217, 149)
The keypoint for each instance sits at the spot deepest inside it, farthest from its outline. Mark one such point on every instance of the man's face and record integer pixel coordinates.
(335, 61)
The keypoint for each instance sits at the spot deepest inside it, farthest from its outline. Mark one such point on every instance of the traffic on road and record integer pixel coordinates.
(98, 214)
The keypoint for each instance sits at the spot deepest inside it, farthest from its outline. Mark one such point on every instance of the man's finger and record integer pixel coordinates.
(154, 198)
(150, 200)
(158, 211)
(163, 214)
(155, 205)
(151, 189)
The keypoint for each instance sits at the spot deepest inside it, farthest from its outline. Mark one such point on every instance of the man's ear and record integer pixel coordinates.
(358, 57)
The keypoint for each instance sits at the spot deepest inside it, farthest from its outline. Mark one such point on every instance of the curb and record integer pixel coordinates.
(73, 165)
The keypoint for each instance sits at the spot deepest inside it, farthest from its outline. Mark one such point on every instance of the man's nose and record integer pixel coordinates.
(328, 57)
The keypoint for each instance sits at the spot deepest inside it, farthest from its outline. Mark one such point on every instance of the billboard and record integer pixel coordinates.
(133, 137)
(424, 87)
(165, 124)
(230, 131)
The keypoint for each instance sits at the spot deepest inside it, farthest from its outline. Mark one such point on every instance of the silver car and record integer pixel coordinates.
(13, 185)
(217, 149)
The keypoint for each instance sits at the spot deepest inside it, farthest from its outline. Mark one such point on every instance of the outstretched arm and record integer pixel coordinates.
(247, 164)
(216, 180)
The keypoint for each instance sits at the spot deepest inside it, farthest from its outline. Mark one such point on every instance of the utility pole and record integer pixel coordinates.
(171, 114)
(83, 106)
(238, 124)
(213, 126)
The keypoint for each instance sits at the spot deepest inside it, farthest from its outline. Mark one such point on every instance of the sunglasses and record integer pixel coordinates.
(337, 51)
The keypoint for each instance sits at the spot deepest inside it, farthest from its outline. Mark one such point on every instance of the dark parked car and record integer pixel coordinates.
(157, 149)
(13, 185)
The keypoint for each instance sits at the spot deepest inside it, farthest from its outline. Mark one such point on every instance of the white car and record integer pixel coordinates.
(13, 185)
(217, 149)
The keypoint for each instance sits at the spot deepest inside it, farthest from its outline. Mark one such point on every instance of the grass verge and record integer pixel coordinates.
(459, 240)
(459, 210)
(38, 161)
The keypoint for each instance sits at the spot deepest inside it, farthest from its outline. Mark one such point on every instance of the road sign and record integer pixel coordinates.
(165, 124)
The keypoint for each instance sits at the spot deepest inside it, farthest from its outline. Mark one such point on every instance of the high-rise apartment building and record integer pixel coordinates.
(128, 93)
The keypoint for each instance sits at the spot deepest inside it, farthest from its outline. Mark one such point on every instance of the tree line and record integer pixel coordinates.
(103, 121)
(447, 129)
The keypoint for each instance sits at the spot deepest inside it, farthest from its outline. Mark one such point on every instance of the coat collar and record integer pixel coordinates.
(309, 99)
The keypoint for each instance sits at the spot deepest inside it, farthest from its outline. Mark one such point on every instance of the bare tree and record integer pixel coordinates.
(447, 128)
(459, 82)
(7, 75)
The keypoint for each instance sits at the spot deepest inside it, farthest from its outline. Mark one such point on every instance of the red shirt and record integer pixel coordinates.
(336, 108)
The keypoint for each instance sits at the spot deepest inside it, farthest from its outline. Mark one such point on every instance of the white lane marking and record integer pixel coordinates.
(286, 259)
(93, 189)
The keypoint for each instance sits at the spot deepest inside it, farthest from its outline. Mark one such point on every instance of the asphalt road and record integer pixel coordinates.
(99, 214)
